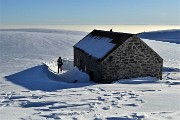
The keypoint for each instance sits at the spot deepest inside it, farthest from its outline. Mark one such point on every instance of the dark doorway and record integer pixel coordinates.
(91, 74)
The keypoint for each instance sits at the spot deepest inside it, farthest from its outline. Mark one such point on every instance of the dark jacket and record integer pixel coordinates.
(59, 62)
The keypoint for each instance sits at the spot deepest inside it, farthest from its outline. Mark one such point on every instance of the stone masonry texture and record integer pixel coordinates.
(134, 58)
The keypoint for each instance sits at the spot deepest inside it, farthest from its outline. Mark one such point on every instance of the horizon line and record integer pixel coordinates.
(92, 24)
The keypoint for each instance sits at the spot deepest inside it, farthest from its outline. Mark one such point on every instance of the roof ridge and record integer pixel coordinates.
(113, 32)
(107, 42)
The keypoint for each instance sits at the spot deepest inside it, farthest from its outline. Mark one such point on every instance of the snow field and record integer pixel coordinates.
(30, 87)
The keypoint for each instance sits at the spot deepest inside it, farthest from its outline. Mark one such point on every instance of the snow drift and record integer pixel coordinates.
(71, 76)
(42, 78)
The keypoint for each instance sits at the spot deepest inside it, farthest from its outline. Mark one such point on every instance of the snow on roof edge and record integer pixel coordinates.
(95, 46)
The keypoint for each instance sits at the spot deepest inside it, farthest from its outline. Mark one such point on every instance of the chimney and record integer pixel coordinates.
(110, 30)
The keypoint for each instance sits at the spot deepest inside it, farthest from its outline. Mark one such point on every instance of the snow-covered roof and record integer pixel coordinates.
(99, 43)
(96, 46)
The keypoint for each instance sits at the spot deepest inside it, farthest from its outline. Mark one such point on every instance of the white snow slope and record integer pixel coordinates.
(32, 90)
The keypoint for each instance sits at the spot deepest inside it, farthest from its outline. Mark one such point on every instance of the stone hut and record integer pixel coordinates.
(108, 56)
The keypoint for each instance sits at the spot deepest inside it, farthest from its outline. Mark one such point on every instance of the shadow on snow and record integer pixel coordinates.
(40, 78)
(170, 69)
(37, 78)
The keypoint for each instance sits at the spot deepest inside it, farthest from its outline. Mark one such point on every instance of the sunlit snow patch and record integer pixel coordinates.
(72, 76)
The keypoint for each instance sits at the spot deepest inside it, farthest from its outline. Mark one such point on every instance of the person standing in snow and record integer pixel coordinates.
(59, 63)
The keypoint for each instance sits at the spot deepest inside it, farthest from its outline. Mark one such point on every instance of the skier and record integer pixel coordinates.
(59, 63)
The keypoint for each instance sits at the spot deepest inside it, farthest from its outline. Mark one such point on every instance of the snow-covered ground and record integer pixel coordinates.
(30, 87)
(172, 36)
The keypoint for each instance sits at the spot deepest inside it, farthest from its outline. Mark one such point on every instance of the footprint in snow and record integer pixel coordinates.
(118, 98)
(106, 108)
(114, 103)
(101, 89)
(16, 97)
(142, 101)
(107, 95)
(28, 104)
(100, 98)
(53, 116)
(131, 104)
(148, 90)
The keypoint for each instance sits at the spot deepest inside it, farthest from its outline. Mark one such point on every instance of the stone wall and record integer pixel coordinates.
(87, 64)
(130, 60)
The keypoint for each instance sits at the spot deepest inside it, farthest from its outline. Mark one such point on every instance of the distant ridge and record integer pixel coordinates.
(172, 36)
(45, 30)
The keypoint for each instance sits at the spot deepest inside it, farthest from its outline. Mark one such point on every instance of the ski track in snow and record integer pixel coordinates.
(32, 90)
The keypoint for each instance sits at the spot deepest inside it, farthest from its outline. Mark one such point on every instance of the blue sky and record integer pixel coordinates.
(48, 12)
